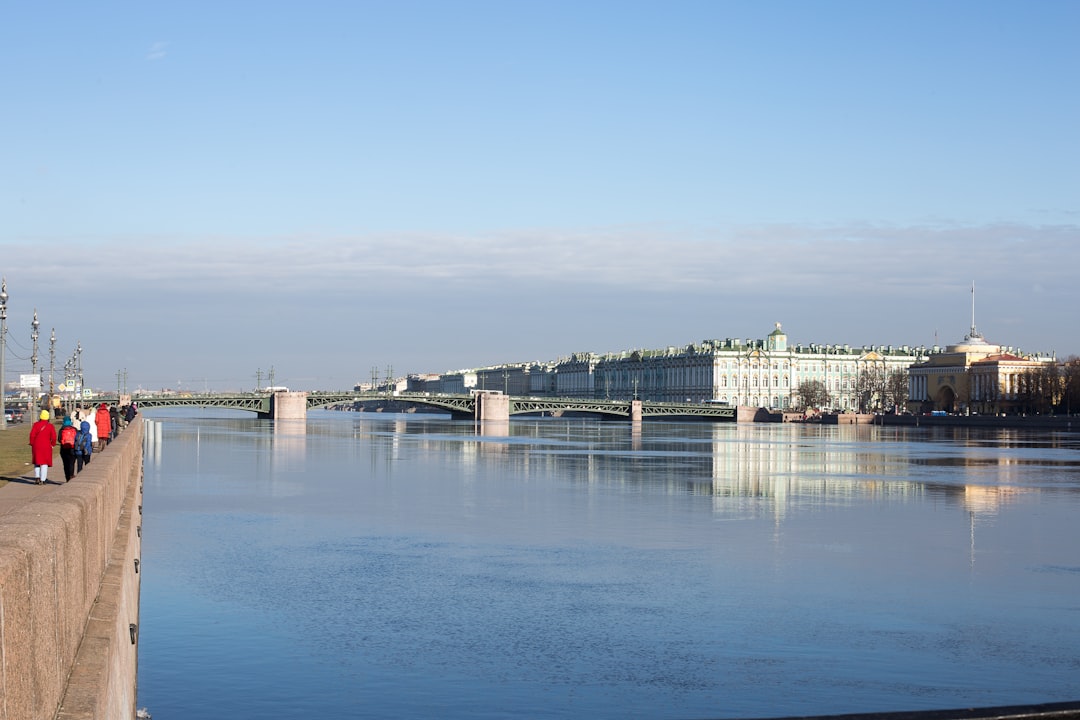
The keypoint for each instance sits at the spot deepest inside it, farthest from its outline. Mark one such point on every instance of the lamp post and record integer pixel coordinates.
(35, 391)
(78, 367)
(52, 362)
(3, 348)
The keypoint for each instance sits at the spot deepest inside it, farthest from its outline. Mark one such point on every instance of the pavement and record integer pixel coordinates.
(21, 489)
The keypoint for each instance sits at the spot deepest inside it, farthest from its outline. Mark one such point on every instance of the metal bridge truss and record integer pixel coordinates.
(255, 403)
(459, 405)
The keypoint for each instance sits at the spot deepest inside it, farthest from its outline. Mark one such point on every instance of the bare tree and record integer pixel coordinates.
(1039, 388)
(896, 389)
(812, 394)
(1070, 371)
(992, 396)
(870, 387)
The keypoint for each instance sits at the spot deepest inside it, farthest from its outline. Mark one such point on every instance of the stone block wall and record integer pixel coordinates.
(69, 592)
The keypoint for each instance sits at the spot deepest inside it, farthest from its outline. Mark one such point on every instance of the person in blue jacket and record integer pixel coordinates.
(84, 446)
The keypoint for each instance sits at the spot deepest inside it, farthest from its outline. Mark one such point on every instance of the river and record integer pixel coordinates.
(360, 565)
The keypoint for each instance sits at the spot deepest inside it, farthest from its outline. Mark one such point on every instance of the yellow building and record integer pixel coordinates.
(971, 376)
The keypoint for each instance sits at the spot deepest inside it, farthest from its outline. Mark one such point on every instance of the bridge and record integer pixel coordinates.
(284, 405)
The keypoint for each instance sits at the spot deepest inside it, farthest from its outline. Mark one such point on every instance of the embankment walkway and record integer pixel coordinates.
(69, 586)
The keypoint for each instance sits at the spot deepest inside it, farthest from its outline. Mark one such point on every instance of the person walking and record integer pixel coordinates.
(84, 446)
(104, 426)
(68, 434)
(90, 416)
(42, 442)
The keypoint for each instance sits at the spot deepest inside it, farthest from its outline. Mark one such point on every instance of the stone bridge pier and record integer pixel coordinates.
(492, 407)
(288, 406)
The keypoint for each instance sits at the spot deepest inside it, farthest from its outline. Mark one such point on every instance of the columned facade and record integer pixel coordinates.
(970, 376)
(757, 373)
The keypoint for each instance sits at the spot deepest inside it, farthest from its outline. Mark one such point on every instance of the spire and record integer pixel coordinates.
(974, 333)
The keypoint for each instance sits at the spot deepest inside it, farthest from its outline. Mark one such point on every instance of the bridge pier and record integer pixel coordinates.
(288, 406)
(635, 411)
(492, 407)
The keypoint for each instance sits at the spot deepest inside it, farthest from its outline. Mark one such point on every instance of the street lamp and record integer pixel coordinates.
(33, 365)
(52, 361)
(78, 367)
(3, 348)
(67, 386)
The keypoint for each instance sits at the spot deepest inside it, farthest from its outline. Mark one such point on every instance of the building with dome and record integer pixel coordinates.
(972, 376)
(752, 372)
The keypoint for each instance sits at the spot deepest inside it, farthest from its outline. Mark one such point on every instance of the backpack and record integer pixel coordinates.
(83, 444)
(67, 436)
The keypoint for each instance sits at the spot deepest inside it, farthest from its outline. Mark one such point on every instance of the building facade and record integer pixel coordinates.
(972, 376)
(757, 373)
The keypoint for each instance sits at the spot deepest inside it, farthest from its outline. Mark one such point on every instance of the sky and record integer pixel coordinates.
(197, 192)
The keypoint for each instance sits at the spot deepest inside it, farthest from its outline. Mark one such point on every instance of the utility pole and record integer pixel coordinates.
(270, 382)
(258, 380)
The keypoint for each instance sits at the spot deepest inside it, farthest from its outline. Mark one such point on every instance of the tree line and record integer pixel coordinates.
(1046, 389)
(1051, 388)
(876, 390)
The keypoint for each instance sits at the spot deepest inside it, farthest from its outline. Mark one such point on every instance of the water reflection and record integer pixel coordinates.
(417, 567)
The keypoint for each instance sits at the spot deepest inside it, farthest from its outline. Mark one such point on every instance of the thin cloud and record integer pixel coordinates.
(816, 260)
(157, 51)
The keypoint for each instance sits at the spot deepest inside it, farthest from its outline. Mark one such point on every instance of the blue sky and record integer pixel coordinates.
(195, 191)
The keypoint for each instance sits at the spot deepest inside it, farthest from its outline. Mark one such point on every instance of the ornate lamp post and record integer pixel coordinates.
(78, 368)
(3, 348)
(52, 362)
(33, 365)
(68, 373)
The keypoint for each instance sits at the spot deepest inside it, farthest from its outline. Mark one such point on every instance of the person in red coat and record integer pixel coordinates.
(42, 442)
(104, 425)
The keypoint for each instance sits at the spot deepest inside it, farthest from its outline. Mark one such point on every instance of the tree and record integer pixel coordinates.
(896, 389)
(991, 396)
(812, 394)
(1070, 371)
(1039, 388)
(870, 387)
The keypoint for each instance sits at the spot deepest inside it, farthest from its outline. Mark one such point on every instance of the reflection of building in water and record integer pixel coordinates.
(982, 503)
(749, 463)
(987, 500)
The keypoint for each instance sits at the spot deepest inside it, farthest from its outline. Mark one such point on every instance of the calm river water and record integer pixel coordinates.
(391, 566)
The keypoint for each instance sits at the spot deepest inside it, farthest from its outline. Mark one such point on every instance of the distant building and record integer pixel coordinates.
(972, 376)
(575, 376)
(511, 379)
(424, 383)
(757, 373)
(457, 383)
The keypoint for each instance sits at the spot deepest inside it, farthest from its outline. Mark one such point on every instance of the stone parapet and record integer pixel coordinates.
(69, 592)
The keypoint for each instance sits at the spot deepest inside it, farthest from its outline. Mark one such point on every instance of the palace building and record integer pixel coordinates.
(756, 373)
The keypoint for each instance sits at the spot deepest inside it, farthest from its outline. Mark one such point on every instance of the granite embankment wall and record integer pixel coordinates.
(69, 592)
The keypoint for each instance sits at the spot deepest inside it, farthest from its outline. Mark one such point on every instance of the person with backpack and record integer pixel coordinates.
(84, 446)
(67, 447)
